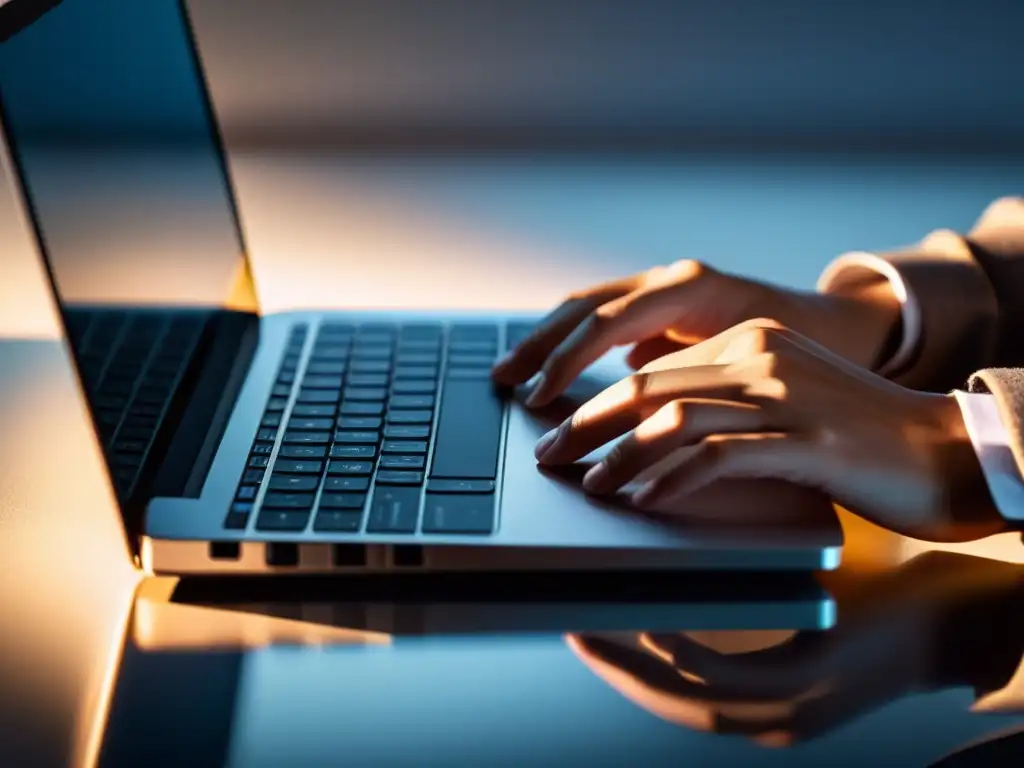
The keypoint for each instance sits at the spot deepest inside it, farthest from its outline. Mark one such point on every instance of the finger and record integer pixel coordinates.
(766, 455)
(626, 403)
(522, 362)
(642, 679)
(649, 350)
(783, 670)
(637, 315)
(677, 424)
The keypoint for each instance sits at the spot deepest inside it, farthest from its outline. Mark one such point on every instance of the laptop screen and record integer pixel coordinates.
(109, 126)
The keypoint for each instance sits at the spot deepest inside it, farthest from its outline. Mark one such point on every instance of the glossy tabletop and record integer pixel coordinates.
(100, 665)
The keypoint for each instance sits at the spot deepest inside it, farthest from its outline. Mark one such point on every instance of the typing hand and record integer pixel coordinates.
(760, 401)
(668, 308)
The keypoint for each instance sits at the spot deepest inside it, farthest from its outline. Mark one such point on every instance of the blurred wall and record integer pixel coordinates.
(873, 72)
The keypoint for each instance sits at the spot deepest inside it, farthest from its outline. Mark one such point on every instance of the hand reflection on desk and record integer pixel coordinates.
(942, 620)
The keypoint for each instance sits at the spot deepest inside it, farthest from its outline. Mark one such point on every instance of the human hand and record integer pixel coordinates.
(667, 308)
(760, 401)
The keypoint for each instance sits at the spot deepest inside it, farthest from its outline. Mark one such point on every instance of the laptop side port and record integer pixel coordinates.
(348, 555)
(407, 555)
(282, 554)
(225, 550)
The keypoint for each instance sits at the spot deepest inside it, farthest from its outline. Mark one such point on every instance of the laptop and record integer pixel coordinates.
(240, 442)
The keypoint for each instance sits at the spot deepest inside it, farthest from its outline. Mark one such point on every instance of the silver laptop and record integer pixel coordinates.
(241, 442)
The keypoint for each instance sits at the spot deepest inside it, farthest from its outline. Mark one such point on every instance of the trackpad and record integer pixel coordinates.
(550, 501)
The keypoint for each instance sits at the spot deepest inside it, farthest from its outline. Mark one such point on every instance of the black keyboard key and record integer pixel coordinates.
(470, 361)
(276, 404)
(307, 438)
(281, 390)
(298, 467)
(258, 462)
(238, 517)
(343, 500)
(266, 434)
(360, 422)
(468, 432)
(332, 329)
(407, 431)
(313, 411)
(318, 396)
(411, 402)
(286, 378)
(410, 417)
(321, 382)
(338, 521)
(310, 425)
(398, 477)
(362, 409)
(416, 372)
(254, 476)
(469, 374)
(459, 513)
(282, 520)
(271, 420)
(436, 485)
(288, 501)
(414, 387)
(302, 452)
(356, 437)
(353, 451)
(468, 347)
(325, 369)
(419, 345)
(421, 330)
(394, 510)
(473, 332)
(371, 353)
(371, 366)
(293, 483)
(417, 358)
(372, 394)
(403, 446)
(402, 462)
(327, 352)
(346, 484)
(342, 467)
(368, 380)
(246, 493)
(262, 449)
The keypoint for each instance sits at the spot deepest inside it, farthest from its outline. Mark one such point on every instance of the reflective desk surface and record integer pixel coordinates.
(919, 660)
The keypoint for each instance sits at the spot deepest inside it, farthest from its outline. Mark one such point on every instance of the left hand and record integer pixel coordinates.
(760, 401)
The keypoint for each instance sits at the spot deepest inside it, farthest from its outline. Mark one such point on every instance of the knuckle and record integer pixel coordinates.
(689, 269)
(675, 413)
(638, 384)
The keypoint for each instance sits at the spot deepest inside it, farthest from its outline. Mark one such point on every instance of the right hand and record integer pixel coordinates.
(666, 309)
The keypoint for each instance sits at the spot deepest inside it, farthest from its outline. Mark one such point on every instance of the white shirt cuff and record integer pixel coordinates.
(992, 445)
(850, 265)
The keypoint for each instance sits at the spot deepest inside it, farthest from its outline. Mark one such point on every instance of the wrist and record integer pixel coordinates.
(860, 321)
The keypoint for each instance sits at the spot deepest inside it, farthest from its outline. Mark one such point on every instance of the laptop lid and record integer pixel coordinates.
(115, 148)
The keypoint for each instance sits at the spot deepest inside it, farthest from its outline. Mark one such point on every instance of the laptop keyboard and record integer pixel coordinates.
(391, 429)
(131, 364)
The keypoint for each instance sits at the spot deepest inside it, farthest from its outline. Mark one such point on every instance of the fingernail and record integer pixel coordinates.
(534, 399)
(595, 477)
(545, 443)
